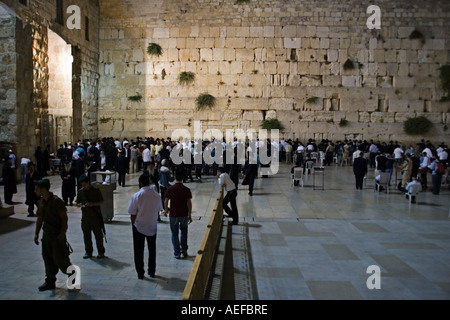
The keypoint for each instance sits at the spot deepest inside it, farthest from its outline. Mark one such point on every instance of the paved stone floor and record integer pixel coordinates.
(299, 244)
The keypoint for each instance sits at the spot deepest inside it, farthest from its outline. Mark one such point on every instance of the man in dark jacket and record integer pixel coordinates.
(31, 197)
(122, 167)
(360, 170)
(9, 182)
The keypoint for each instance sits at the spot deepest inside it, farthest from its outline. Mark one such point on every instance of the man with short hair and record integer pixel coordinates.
(144, 210)
(52, 218)
(90, 198)
(179, 214)
(230, 196)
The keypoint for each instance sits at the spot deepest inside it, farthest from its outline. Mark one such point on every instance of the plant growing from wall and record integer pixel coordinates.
(205, 100)
(186, 77)
(445, 81)
(154, 49)
(312, 100)
(104, 120)
(269, 124)
(242, 1)
(136, 98)
(343, 122)
(348, 65)
(416, 34)
(417, 126)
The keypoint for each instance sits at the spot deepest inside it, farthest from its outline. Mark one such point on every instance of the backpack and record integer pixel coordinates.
(440, 167)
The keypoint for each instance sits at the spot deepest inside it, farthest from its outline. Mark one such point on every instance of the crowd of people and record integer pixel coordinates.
(163, 190)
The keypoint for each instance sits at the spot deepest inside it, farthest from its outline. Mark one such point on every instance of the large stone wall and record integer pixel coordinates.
(30, 121)
(263, 59)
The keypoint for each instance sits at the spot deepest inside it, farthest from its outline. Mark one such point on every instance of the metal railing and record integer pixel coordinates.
(203, 265)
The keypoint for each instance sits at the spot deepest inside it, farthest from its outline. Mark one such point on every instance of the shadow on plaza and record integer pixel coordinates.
(12, 224)
(111, 263)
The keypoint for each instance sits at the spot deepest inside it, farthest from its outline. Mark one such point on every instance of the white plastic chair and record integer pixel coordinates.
(309, 167)
(315, 156)
(321, 157)
(414, 192)
(383, 182)
(297, 176)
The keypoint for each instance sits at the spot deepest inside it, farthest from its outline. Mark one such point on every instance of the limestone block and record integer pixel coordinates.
(245, 55)
(369, 81)
(338, 116)
(281, 103)
(199, 43)
(323, 32)
(253, 43)
(190, 43)
(242, 31)
(314, 68)
(384, 82)
(206, 54)
(351, 81)
(172, 54)
(270, 67)
(271, 114)
(249, 104)
(230, 54)
(218, 54)
(311, 81)
(161, 33)
(283, 68)
(314, 43)
(292, 42)
(402, 116)
(248, 67)
(303, 68)
(403, 82)
(269, 31)
(332, 81)
(178, 114)
(260, 54)
(398, 105)
(352, 117)
(416, 105)
(235, 43)
(332, 55)
(194, 55)
(404, 32)
(252, 115)
(256, 32)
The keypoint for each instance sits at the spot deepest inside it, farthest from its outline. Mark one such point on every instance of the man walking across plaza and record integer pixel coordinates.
(230, 196)
(52, 218)
(360, 170)
(90, 198)
(179, 211)
(144, 212)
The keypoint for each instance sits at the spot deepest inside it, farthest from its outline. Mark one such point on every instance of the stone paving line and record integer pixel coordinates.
(302, 244)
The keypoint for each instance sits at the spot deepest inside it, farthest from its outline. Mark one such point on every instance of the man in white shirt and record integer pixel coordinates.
(230, 196)
(398, 155)
(146, 157)
(144, 211)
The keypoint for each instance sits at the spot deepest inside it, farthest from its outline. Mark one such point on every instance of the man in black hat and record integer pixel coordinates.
(31, 197)
(90, 198)
(52, 218)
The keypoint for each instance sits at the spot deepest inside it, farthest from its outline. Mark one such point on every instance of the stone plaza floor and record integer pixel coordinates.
(295, 243)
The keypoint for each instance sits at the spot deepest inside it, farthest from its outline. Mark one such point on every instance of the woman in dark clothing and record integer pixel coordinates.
(9, 182)
(39, 155)
(68, 188)
(31, 197)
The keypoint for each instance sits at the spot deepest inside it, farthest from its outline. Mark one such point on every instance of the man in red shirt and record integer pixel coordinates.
(179, 214)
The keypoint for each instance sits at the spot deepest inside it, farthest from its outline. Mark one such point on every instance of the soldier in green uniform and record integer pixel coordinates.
(52, 218)
(90, 198)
